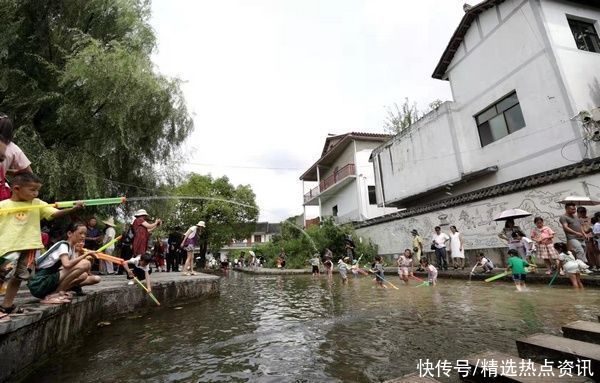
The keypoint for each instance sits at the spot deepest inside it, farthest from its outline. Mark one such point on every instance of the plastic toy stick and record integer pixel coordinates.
(146, 290)
(425, 283)
(383, 279)
(65, 204)
(107, 245)
(553, 278)
(498, 276)
(109, 258)
(90, 202)
(416, 278)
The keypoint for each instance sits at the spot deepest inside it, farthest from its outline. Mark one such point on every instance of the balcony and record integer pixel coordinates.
(341, 177)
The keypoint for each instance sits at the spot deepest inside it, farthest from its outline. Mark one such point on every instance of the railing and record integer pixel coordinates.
(347, 170)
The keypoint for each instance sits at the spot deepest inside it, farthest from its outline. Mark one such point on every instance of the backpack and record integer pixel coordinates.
(39, 258)
(127, 239)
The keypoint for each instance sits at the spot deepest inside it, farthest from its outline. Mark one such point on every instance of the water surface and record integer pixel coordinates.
(297, 328)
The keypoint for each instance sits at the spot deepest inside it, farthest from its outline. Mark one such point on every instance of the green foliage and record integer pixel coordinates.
(400, 118)
(89, 110)
(229, 212)
(298, 244)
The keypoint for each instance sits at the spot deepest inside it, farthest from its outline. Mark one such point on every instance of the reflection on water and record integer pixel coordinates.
(296, 328)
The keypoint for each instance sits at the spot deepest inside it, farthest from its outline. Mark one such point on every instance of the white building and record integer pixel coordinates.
(341, 183)
(519, 71)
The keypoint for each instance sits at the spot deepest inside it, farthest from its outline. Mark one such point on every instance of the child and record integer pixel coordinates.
(141, 264)
(525, 246)
(485, 263)
(569, 264)
(517, 265)
(159, 257)
(405, 262)
(378, 270)
(432, 272)
(343, 268)
(20, 233)
(314, 262)
(543, 235)
(60, 269)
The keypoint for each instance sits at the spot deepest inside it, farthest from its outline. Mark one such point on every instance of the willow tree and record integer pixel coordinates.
(90, 110)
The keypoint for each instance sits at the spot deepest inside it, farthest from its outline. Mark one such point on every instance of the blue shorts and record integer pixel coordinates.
(519, 277)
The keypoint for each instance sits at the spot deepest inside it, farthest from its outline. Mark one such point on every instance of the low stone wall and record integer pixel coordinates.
(27, 339)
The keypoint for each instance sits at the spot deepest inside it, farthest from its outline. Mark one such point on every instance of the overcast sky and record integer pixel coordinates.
(267, 80)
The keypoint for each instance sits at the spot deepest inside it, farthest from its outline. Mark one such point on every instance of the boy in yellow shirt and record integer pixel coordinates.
(20, 233)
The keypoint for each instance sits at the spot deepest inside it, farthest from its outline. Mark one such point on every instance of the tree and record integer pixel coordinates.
(229, 212)
(77, 80)
(400, 118)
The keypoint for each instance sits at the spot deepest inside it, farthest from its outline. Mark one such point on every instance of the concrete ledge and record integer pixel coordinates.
(267, 271)
(413, 378)
(582, 330)
(27, 339)
(541, 347)
(592, 280)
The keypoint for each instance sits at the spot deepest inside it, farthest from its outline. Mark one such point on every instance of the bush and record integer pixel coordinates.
(301, 245)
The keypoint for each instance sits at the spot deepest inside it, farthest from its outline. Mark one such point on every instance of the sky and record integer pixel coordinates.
(266, 80)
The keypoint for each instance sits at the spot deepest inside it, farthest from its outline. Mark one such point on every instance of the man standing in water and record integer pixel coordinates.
(573, 231)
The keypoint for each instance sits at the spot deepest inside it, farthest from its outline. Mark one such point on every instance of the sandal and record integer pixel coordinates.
(14, 310)
(4, 318)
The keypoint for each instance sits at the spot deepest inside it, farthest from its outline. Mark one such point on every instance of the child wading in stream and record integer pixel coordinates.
(60, 268)
(432, 272)
(405, 262)
(378, 270)
(517, 265)
(20, 233)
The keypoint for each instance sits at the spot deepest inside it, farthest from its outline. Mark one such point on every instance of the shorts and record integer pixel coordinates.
(403, 270)
(139, 273)
(315, 269)
(189, 248)
(224, 265)
(44, 282)
(519, 277)
(344, 273)
(25, 258)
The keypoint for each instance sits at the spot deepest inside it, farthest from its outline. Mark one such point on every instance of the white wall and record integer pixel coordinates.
(346, 200)
(475, 220)
(420, 158)
(580, 69)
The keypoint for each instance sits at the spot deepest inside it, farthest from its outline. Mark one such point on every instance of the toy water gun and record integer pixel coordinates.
(148, 291)
(498, 276)
(106, 257)
(66, 204)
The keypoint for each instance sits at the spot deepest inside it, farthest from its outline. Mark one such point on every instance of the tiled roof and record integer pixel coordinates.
(545, 178)
(267, 228)
(339, 137)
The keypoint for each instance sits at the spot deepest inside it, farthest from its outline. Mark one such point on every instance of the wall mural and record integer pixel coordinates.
(475, 220)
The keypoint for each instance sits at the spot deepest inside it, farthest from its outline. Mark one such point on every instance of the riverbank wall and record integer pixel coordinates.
(27, 339)
(391, 273)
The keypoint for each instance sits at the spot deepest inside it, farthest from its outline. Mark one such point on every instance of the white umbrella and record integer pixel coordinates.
(580, 200)
(512, 214)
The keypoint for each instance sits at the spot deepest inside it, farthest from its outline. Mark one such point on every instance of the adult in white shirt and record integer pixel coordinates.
(109, 234)
(15, 160)
(439, 243)
(457, 250)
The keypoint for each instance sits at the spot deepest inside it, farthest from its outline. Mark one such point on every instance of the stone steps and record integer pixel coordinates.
(541, 347)
(582, 330)
(481, 370)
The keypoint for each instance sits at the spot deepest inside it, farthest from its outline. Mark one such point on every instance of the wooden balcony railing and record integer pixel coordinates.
(347, 170)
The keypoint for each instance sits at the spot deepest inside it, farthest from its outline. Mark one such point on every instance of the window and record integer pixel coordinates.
(372, 196)
(334, 211)
(257, 238)
(585, 35)
(499, 120)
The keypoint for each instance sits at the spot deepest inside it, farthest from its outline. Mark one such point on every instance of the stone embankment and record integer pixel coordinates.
(591, 280)
(28, 338)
